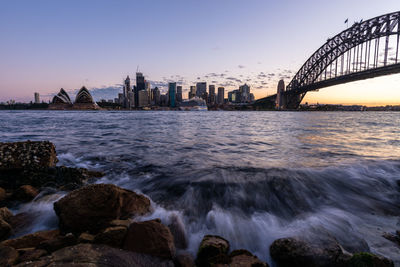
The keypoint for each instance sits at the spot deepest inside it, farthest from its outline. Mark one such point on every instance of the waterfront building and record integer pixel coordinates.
(143, 98)
(280, 103)
(130, 100)
(121, 99)
(221, 95)
(172, 94)
(244, 93)
(84, 100)
(234, 96)
(37, 98)
(179, 94)
(164, 100)
(127, 89)
(156, 96)
(211, 94)
(140, 85)
(192, 92)
(201, 89)
(62, 98)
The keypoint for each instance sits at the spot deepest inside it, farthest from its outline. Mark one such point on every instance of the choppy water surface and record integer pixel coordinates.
(251, 177)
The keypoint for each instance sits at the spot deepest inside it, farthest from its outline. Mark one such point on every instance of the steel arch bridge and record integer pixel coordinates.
(367, 49)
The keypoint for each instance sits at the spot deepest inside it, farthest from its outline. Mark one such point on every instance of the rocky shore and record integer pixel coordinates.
(99, 224)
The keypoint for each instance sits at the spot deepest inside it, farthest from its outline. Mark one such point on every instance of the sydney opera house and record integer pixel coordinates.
(83, 100)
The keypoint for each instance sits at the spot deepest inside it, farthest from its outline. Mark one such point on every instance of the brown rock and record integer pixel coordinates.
(20, 155)
(93, 207)
(150, 237)
(8, 256)
(297, 252)
(30, 254)
(184, 260)
(369, 260)
(23, 221)
(112, 236)
(243, 258)
(85, 238)
(5, 214)
(95, 255)
(213, 249)
(5, 230)
(3, 194)
(58, 242)
(31, 240)
(25, 193)
(124, 223)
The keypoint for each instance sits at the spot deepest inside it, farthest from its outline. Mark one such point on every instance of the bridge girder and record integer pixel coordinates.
(353, 38)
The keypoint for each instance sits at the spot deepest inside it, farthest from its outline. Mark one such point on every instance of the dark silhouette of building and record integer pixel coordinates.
(179, 94)
(140, 85)
(221, 95)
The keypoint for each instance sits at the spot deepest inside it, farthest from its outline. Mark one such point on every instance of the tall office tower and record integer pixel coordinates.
(280, 101)
(143, 98)
(201, 88)
(211, 94)
(148, 89)
(121, 99)
(221, 95)
(179, 94)
(172, 94)
(156, 96)
(127, 89)
(131, 100)
(140, 85)
(37, 98)
(245, 93)
(192, 92)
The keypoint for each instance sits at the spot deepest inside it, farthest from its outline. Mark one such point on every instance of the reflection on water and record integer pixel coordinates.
(251, 177)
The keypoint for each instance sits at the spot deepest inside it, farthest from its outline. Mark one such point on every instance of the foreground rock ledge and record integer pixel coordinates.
(97, 255)
(93, 207)
(20, 155)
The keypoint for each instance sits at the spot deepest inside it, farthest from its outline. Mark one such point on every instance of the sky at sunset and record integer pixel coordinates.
(46, 45)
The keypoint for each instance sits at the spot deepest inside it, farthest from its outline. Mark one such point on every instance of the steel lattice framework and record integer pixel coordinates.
(351, 55)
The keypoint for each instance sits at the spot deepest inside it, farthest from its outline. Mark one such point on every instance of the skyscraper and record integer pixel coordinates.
(37, 98)
(179, 94)
(192, 92)
(172, 94)
(221, 95)
(211, 94)
(244, 93)
(140, 85)
(127, 90)
(201, 89)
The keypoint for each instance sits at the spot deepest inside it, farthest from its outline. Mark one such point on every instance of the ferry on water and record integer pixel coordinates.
(194, 104)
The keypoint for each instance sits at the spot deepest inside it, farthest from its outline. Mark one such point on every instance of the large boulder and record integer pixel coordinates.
(298, 252)
(5, 230)
(212, 250)
(243, 258)
(61, 177)
(6, 214)
(93, 207)
(365, 259)
(22, 155)
(112, 236)
(97, 255)
(31, 240)
(25, 193)
(8, 256)
(150, 237)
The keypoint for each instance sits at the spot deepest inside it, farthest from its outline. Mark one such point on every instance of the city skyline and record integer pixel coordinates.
(45, 50)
